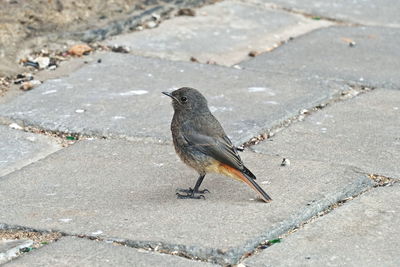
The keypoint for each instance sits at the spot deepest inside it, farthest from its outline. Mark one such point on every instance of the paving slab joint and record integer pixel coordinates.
(188, 252)
(377, 181)
(65, 138)
(381, 180)
(137, 21)
(36, 238)
(320, 208)
(315, 17)
(354, 89)
(153, 246)
(235, 255)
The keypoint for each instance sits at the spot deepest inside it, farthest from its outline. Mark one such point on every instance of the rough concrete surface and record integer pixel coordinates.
(73, 251)
(372, 60)
(19, 148)
(363, 232)
(330, 95)
(368, 12)
(122, 97)
(10, 248)
(362, 132)
(235, 27)
(117, 189)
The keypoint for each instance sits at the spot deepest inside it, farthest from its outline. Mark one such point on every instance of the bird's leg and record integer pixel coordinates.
(190, 193)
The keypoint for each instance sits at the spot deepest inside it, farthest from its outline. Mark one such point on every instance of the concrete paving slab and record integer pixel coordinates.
(125, 190)
(19, 148)
(73, 251)
(10, 248)
(363, 232)
(363, 132)
(327, 53)
(368, 12)
(122, 97)
(223, 33)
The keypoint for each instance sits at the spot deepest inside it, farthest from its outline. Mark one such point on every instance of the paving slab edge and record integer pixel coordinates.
(347, 22)
(356, 89)
(360, 185)
(377, 182)
(234, 255)
(260, 133)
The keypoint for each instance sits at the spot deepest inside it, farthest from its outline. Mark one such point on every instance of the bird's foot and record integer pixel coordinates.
(190, 193)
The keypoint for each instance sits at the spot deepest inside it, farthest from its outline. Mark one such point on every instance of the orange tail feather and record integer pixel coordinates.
(234, 173)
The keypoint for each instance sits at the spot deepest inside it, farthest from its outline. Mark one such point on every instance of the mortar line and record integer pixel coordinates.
(153, 246)
(377, 179)
(209, 254)
(356, 90)
(62, 136)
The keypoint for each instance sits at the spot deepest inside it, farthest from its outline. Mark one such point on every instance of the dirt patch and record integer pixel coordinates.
(39, 239)
(26, 26)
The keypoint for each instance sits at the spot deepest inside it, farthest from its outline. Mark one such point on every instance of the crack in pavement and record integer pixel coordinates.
(302, 13)
(250, 248)
(234, 255)
(68, 138)
(378, 181)
(154, 246)
(355, 90)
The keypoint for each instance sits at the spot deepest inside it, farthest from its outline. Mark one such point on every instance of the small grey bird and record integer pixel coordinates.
(202, 144)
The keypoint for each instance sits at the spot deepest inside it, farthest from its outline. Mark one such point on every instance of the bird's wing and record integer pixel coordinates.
(211, 140)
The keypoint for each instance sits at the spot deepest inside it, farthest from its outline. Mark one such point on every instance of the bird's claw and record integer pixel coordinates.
(190, 191)
(190, 195)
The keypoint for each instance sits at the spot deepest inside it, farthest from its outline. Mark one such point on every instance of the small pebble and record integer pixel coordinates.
(120, 49)
(43, 62)
(79, 50)
(285, 162)
(193, 59)
(15, 126)
(98, 232)
(253, 53)
(304, 111)
(26, 86)
(151, 24)
(155, 16)
(186, 12)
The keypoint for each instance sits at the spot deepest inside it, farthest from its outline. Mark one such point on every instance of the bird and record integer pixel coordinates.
(202, 144)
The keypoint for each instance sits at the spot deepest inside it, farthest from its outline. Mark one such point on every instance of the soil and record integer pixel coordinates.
(27, 26)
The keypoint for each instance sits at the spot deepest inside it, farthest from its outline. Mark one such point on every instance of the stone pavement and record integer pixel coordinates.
(73, 251)
(324, 94)
(349, 236)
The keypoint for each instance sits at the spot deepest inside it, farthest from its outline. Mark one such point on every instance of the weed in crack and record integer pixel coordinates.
(379, 180)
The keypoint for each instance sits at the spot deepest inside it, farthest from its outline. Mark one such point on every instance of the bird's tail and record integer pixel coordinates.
(250, 181)
(247, 177)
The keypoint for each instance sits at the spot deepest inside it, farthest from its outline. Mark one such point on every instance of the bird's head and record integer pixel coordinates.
(187, 99)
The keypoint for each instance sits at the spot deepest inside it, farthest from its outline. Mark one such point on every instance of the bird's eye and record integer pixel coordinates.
(183, 99)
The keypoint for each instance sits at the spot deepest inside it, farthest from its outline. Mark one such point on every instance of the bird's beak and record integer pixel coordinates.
(170, 95)
(167, 93)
